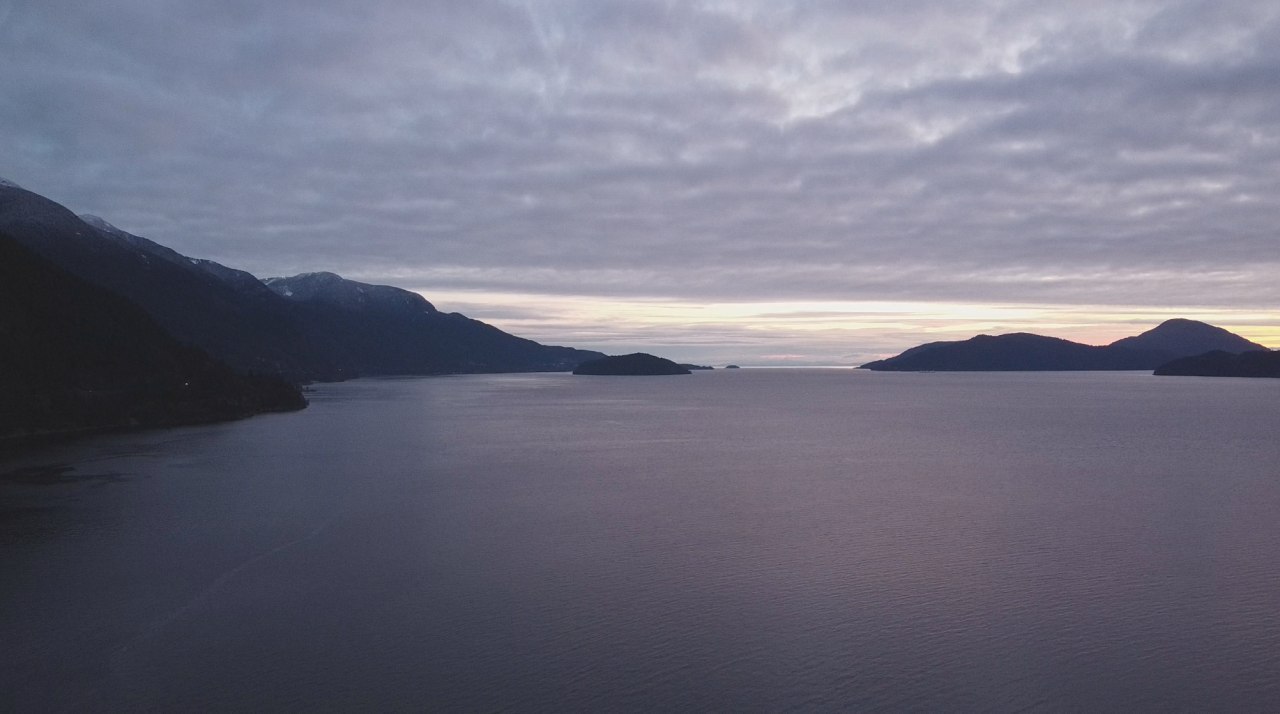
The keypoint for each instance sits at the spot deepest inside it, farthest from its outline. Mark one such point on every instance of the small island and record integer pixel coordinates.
(732, 366)
(632, 365)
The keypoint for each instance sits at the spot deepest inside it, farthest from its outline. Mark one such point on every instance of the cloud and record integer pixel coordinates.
(1002, 152)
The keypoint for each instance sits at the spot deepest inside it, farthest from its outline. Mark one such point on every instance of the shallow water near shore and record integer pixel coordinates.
(760, 540)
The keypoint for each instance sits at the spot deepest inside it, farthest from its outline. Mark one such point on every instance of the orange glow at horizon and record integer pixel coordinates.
(819, 330)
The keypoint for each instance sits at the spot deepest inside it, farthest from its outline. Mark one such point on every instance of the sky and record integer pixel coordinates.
(764, 182)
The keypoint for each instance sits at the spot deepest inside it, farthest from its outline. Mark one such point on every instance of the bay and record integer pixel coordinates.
(753, 540)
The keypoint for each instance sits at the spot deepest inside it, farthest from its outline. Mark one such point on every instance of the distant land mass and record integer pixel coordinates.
(384, 330)
(102, 328)
(1023, 351)
(77, 357)
(636, 364)
(232, 317)
(314, 327)
(1224, 364)
(697, 367)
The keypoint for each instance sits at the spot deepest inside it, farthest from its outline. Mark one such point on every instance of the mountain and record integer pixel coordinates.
(237, 321)
(632, 365)
(1027, 352)
(337, 292)
(1224, 364)
(75, 356)
(1187, 337)
(383, 330)
(314, 327)
(240, 280)
(1013, 352)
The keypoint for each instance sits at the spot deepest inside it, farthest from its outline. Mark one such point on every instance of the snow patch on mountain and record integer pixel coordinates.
(332, 289)
(99, 222)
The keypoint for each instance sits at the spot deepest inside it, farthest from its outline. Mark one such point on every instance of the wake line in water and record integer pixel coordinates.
(120, 668)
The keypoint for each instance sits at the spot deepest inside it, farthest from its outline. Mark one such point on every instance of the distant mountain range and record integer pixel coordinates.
(313, 327)
(1021, 351)
(377, 329)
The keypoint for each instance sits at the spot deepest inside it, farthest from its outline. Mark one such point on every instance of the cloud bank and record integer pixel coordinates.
(1102, 154)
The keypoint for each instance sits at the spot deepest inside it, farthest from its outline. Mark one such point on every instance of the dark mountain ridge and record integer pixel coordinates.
(1022, 351)
(251, 330)
(384, 330)
(313, 327)
(240, 280)
(1186, 337)
(75, 356)
(335, 291)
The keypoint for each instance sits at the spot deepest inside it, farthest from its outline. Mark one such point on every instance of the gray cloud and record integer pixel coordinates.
(1089, 153)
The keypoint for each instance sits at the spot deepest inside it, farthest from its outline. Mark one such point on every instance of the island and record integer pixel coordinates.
(1021, 351)
(1256, 363)
(732, 366)
(632, 365)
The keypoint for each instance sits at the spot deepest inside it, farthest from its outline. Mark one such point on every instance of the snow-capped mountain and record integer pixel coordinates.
(348, 294)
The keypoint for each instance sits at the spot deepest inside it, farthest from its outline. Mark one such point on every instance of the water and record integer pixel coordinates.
(746, 540)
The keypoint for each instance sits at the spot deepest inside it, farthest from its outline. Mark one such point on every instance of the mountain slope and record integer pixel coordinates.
(248, 327)
(75, 356)
(381, 329)
(1181, 337)
(313, 327)
(242, 281)
(1027, 352)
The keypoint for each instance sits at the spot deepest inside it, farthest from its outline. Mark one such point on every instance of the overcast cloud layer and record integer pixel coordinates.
(1082, 153)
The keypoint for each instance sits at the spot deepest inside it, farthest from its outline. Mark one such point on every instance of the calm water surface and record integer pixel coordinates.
(748, 540)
